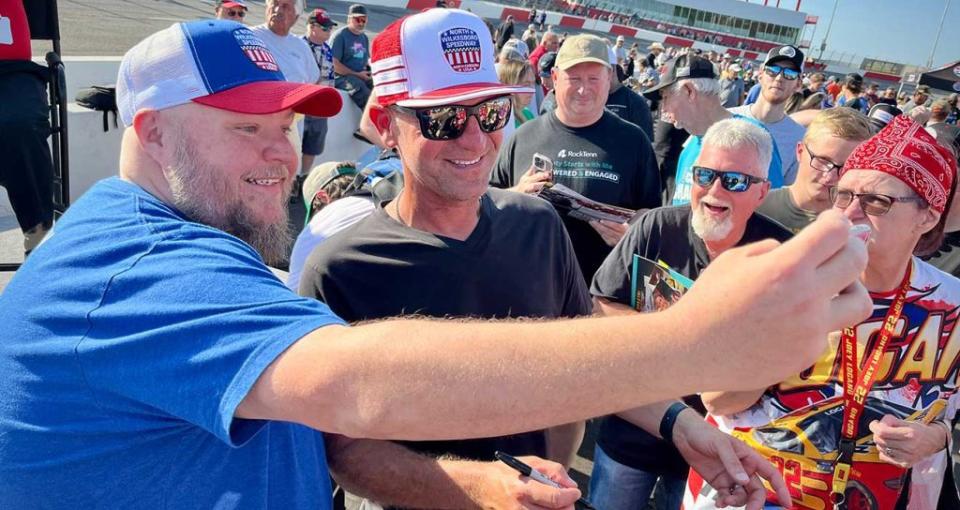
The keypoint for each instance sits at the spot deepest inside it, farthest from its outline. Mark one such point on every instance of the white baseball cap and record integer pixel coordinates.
(436, 57)
(217, 63)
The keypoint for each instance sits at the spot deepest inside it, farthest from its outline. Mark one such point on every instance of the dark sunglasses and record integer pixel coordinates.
(448, 122)
(360, 19)
(315, 24)
(820, 163)
(236, 14)
(873, 204)
(788, 74)
(734, 182)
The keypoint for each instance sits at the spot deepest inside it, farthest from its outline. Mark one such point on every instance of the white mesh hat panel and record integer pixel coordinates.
(158, 73)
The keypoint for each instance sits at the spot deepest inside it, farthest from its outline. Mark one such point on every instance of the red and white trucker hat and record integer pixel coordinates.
(436, 57)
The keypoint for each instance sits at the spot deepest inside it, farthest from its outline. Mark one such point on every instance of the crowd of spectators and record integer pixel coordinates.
(443, 306)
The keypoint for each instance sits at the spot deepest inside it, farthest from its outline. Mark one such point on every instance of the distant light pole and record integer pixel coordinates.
(823, 45)
(936, 41)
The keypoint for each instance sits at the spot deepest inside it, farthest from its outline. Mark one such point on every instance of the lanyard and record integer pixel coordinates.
(856, 386)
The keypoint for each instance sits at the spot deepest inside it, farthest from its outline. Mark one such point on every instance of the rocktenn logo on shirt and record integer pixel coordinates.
(564, 153)
(461, 49)
(255, 50)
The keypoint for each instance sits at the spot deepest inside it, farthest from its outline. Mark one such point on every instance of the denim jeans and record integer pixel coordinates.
(614, 486)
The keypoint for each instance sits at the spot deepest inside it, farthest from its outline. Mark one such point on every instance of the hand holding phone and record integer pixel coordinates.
(542, 163)
(537, 176)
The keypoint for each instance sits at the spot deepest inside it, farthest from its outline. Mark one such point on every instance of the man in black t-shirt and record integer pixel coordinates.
(627, 104)
(594, 152)
(686, 238)
(448, 247)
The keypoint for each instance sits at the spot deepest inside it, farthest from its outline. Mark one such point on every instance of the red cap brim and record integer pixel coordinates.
(463, 92)
(264, 97)
(233, 4)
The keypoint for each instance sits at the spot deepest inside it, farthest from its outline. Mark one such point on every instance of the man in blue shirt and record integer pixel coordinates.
(689, 97)
(150, 358)
(351, 56)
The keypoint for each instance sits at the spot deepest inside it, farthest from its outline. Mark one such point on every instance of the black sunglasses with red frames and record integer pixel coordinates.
(448, 122)
(874, 204)
(359, 19)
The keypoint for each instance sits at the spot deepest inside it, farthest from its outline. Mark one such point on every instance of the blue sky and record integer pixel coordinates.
(901, 31)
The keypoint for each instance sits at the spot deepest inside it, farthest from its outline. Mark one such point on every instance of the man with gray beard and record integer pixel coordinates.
(729, 183)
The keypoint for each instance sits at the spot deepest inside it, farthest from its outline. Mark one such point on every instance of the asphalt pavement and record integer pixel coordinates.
(111, 27)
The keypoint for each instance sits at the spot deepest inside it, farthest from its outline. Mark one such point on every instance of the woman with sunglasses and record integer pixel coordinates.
(880, 400)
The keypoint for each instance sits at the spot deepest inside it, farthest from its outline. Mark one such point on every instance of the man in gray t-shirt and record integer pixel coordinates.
(351, 56)
(831, 137)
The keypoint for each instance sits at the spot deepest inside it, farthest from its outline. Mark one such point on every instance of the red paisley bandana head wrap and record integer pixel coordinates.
(906, 151)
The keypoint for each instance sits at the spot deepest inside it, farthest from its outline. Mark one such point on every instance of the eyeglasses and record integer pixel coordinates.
(873, 204)
(321, 27)
(735, 182)
(448, 122)
(236, 14)
(788, 74)
(820, 163)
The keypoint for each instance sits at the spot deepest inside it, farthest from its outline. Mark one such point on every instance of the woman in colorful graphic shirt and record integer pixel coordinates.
(832, 445)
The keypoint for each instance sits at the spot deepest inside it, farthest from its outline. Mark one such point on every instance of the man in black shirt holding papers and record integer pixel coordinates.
(594, 152)
(628, 460)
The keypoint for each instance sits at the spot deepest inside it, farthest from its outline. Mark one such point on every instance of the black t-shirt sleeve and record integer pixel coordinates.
(502, 175)
(649, 192)
(613, 280)
(641, 115)
(577, 302)
(311, 284)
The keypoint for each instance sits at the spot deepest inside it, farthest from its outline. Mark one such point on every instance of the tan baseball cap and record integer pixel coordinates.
(580, 49)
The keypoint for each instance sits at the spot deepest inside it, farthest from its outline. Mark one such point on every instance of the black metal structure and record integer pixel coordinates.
(946, 78)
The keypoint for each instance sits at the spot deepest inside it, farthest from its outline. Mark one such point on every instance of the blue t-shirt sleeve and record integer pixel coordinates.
(187, 329)
(753, 94)
(338, 46)
(775, 172)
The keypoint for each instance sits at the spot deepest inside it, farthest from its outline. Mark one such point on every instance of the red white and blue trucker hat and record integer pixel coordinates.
(217, 63)
(436, 57)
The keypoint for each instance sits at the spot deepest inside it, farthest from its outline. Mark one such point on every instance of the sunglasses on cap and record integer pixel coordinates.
(448, 122)
(734, 182)
(874, 204)
(787, 73)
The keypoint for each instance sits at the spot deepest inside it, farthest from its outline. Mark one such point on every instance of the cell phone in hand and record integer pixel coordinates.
(542, 163)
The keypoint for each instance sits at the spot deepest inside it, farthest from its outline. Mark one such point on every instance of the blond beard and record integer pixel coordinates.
(199, 195)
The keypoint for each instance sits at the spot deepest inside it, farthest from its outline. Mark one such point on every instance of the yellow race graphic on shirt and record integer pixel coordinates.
(796, 424)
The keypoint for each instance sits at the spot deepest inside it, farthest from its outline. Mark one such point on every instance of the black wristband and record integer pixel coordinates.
(669, 419)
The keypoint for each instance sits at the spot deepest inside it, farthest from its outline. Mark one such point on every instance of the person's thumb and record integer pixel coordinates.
(549, 497)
